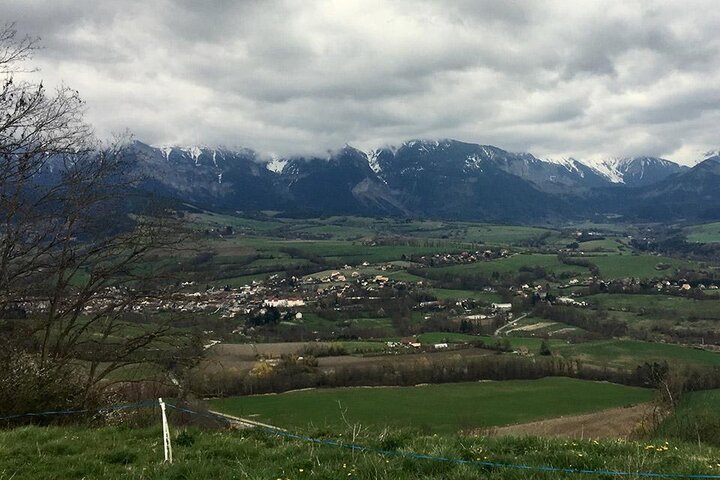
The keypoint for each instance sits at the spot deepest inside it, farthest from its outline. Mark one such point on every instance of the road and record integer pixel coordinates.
(498, 332)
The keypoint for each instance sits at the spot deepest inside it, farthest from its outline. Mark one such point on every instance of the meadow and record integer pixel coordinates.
(658, 305)
(531, 343)
(449, 294)
(635, 266)
(513, 264)
(444, 408)
(630, 353)
(695, 419)
(110, 453)
(704, 233)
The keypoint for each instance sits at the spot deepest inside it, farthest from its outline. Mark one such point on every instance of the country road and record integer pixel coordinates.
(498, 332)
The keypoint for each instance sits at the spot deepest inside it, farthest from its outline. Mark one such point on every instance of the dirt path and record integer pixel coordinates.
(613, 423)
(512, 323)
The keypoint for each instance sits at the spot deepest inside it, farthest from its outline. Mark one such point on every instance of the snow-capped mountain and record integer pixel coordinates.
(213, 177)
(635, 171)
(436, 178)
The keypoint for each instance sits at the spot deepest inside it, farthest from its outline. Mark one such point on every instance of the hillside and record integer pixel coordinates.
(128, 453)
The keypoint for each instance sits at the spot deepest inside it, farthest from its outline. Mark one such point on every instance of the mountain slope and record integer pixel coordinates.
(214, 178)
(692, 194)
(636, 171)
(444, 178)
(342, 183)
(460, 180)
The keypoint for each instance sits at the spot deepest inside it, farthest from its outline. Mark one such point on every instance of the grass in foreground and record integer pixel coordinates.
(445, 408)
(696, 419)
(115, 453)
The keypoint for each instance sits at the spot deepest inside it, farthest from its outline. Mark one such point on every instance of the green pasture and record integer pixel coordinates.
(449, 294)
(629, 353)
(705, 233)
(664, 306)
(440, 408)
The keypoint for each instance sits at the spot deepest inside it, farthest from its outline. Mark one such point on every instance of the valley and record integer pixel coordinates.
(282, 304)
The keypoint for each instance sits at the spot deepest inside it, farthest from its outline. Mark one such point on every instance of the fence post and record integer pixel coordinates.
(167, 447)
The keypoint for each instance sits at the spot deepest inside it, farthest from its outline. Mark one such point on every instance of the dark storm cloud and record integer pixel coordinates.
(556, 78)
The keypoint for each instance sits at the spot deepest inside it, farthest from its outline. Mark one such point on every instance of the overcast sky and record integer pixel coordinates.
(583, 78)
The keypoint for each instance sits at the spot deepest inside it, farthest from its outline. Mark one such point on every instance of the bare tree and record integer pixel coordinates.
(75, 265)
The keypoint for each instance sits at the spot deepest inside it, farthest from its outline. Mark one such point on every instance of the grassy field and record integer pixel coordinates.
(448, 294)
(605, 245)
(633, 352)
(705, 233)
(532, 343)
(512, 265)
(695, 419)
(637, 266)
(440, 408)
(659, 305)
(75, 452)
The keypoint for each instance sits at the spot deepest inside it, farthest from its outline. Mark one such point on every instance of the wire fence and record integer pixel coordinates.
(365, 449)
(109, 408)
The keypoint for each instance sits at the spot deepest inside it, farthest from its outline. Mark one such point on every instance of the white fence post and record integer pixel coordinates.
(167, 447)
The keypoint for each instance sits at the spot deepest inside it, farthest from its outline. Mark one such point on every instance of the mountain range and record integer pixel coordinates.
(439, 179)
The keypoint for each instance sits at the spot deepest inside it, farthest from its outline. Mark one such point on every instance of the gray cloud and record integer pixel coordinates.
(556, 78)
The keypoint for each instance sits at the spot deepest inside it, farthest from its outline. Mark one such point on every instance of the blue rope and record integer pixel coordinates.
(109, 408)
(459, 461)
(210, 415)
(413, 455)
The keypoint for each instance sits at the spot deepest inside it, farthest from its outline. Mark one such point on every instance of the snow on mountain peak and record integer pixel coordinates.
(473, 162)
(608, 168)
(567, 162)
(373, 161)
(166, 151)
(276, 165)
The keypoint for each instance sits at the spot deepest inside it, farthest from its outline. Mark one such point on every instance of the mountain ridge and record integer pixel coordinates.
(442, 178)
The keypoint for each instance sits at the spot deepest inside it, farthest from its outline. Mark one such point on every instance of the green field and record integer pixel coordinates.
(696, 418)
(513, 264)
(634, 352)
(113, 453)
(451, 337)
(658, 305)
(448, 294)
(705, 233)
(440, 408)
(634, 266)
(532, 343)
(605, 245)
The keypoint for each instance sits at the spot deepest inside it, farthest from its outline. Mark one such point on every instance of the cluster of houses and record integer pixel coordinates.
(682, 286)
(462, 257)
